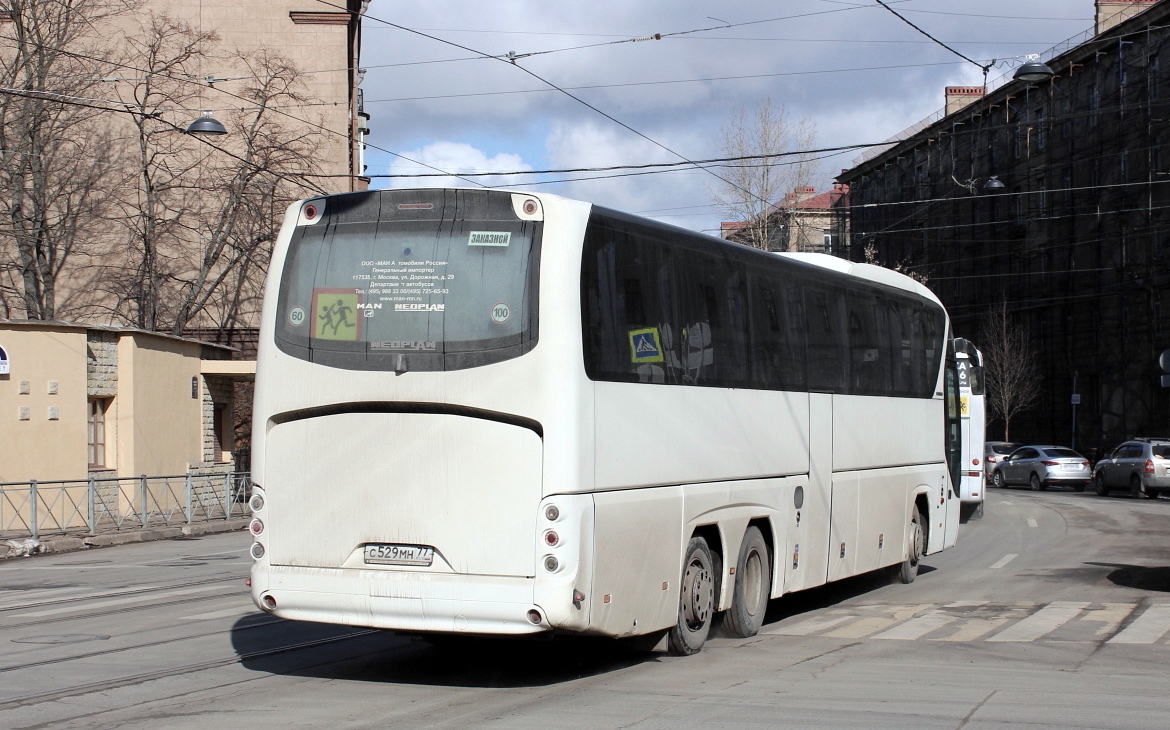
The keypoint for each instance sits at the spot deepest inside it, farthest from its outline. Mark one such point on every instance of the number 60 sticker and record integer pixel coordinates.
(296, 315)
(500, 313)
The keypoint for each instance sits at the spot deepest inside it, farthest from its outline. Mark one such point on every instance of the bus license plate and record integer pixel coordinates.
(399, 554)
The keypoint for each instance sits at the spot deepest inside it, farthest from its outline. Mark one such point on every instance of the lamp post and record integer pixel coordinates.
(206, 124)
(993, 185)
(1033, 71)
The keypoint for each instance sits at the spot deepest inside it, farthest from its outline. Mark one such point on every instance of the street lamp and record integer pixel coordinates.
(206, 124)
(993, 185)
(1033, 71)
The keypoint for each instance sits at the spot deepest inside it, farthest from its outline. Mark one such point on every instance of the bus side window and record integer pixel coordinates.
(828, 339)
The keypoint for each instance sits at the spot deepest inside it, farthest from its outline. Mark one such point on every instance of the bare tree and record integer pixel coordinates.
(753, 188)
(199, 218)
(1011, 371)
(55, 161)
(902, 267)
(249, 192)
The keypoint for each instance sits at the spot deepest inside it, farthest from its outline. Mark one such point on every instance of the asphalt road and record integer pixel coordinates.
(1052, 612)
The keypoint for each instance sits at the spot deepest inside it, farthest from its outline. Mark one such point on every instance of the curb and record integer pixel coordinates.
(27, 547)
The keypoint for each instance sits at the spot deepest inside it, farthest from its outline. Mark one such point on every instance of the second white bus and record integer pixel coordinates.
(973, 479)
(495, 412)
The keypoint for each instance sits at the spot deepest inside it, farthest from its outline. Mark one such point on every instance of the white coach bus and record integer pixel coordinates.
(491, 412)
(973, 479)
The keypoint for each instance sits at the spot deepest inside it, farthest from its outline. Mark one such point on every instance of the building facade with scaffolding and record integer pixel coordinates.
(1052, 197)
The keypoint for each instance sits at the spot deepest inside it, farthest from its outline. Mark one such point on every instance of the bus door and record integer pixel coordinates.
(948, 512)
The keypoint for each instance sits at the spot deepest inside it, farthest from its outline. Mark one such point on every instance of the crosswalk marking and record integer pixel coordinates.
(968, 621)
(867, 626)
(811, 626)
(1147, 628)
(1110, 616)
(974, 628)
(918, 627)
(1044, 621)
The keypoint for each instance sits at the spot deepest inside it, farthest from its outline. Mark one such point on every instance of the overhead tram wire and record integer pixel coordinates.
(204, 83)
(124, 108)
(577, 99)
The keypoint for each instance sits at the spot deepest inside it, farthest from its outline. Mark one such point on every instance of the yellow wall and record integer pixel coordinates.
(159, 423)
(40, 448)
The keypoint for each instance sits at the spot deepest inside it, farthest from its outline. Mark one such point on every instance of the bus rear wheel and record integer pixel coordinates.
(753, 587)
(696, 606)
(907, 570)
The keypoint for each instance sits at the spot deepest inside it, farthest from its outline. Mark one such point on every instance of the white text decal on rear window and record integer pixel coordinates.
(489, 238)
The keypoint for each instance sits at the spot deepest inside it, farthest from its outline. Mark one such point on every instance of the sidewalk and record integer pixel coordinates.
(25, 547)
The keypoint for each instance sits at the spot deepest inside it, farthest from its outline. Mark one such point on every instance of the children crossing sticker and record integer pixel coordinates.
(645, 345)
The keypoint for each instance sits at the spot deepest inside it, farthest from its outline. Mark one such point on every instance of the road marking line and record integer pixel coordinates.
(1032, 522)
(812, 625)
(241, 609)
(1147, 628)
(966, 604)
(1003, 561)
(917, 628)
(1009, 504)
(145, 597)
(1043, 622)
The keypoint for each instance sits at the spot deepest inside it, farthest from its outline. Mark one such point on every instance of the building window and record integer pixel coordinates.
(98, 408)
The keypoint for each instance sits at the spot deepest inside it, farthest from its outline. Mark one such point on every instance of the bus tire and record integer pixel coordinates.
(696, 605)
(752, 588)
(907, 570)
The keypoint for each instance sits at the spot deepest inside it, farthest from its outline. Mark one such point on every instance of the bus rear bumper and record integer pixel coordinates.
(399, 600)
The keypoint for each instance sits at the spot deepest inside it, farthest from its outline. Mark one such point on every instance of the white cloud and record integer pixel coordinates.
(456, 157)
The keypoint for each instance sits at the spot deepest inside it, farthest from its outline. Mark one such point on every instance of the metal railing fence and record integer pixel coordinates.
(105, 504)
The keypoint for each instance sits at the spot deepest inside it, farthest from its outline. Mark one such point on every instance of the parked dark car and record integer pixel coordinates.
(1140, 466)
(1040, 467)
(994, 452)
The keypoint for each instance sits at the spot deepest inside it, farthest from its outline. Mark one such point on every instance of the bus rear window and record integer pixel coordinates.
(366, 290)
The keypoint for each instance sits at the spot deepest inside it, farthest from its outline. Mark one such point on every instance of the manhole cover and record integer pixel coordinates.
(60, 639)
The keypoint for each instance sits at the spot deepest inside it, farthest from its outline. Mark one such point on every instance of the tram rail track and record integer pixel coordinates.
(126, 681)
(115, 611)
(114, 594)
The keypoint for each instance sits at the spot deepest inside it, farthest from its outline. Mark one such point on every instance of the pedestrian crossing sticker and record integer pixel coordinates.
(645, 346)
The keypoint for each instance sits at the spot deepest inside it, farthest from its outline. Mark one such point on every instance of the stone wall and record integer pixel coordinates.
(101, 363)
(215, 391)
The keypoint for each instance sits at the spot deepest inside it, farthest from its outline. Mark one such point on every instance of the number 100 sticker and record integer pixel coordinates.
(500, 313)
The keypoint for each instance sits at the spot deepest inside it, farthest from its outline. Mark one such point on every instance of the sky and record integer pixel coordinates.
(581, 92)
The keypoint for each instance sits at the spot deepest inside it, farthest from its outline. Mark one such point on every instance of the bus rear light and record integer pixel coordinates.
(256, 527)
(552, 513)
(551, 538)
(974, 462)
(256, 503)
(550, 563)
(534, 616)
(257, 550)
(310, 212)
(269, 602)
(530, 207)
(578, 596)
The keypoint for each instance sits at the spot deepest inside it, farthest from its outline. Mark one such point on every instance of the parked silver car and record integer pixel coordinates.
(1041, 467)
(1140, 466)
(994, 452)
